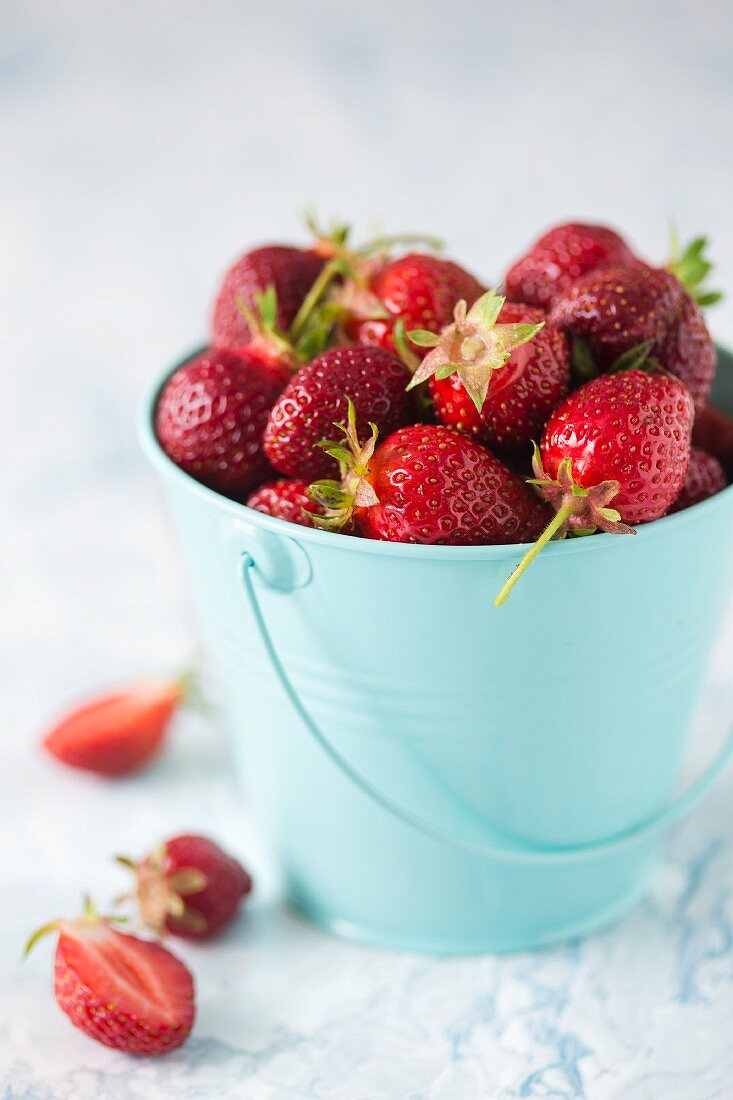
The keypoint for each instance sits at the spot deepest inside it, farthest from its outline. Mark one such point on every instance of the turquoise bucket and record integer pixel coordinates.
(431, 772)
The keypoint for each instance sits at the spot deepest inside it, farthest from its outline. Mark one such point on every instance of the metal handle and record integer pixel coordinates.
(515, 848)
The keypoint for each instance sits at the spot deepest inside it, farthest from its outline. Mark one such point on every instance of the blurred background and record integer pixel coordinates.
(143, 145)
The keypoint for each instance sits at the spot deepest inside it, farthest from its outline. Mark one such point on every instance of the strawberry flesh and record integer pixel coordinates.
(125, 992)
(118, 733)
(705, 477)
(285, 499)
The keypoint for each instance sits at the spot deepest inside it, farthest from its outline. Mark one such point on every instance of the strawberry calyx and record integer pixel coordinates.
(578, 511)
(266, 338)
(160, 895)
(89, 917)
(353, 297)
(339, 498)
(474, 347)
(692, 267)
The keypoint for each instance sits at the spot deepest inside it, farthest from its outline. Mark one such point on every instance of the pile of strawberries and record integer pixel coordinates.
(396, 398)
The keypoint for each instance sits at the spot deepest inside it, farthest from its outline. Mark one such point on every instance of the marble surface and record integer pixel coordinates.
(144, 144)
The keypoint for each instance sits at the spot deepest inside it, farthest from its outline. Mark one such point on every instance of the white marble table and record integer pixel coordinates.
(142, 146)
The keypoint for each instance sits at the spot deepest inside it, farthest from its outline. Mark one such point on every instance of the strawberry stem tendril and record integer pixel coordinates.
(579, 511)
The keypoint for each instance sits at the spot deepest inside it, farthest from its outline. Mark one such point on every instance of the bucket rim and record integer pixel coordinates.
(165, 465)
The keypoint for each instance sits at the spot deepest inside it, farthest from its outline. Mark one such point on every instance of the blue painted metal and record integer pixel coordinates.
(432, 772)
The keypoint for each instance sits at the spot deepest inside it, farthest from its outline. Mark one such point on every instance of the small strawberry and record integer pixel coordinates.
(616, 310)
(522, 390)
(561, 256)
(118, 733)
(290, 271)
(427, 484)
(713, 432)
(189, 887)
(211, 416)
(623, 439)
(317, 397)
(125, 992)
(419, 290)
(705, 477)
(285, 499)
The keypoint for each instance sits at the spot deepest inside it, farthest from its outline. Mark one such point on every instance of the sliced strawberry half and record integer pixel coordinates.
(118, 733)
(130, 994)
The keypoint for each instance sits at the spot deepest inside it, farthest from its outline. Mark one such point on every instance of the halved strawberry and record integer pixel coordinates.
(128, 993)
(118, 733)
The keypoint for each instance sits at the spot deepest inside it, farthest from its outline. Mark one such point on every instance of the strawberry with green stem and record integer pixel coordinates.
(425, 484)
(613, 454)
(125, 992)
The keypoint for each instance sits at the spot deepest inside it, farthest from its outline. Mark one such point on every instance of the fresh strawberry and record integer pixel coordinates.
(317, 397)
(622, 439)
(521, 393)
(428, 484)
(705, 477)
(285, 499)
(121, 732)
(189, 887)
(290, 271)
(125, 992)
(211, 416)
(713, 432)
(561, 256)
(617, 310)
(419, 290)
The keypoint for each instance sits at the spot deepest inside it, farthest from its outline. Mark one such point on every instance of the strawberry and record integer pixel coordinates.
(427, 484)
(419, 290)
(521, 393)
(705, 477)
(189, 887)
(317, 397)
(713, 432)
(291, 272)
(561, 256)
(622, 438)
(617, 310)
(285, 499)
(125, 992)
(121, 732)
(211, 416)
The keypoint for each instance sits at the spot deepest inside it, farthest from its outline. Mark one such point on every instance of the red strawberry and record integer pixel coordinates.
(623, 439)
(561, 256)
(211, 416)
(618, 309)
(317, 397)
(290, 271)
(118, 733)
(190, 887)
(521, 394)
(429, 484)
(125, 992)
(285, 499)
(713, 432)
(705, 477)
(419, 290)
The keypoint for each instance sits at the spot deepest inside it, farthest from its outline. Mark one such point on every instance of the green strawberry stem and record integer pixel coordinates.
(555, 525)
(328, 273)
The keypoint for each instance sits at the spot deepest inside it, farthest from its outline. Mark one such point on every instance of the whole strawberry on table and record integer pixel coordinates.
(383, 392)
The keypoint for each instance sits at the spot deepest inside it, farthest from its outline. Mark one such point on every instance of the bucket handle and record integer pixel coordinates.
(515, 849)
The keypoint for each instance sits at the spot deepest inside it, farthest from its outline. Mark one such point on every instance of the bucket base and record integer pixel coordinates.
(488, 945)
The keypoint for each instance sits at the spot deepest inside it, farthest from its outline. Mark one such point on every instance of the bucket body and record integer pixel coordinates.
(553, 722)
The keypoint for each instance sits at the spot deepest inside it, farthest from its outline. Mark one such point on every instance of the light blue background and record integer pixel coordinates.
(142, 146)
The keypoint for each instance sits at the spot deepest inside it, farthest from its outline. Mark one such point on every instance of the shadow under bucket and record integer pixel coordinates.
(437, 774)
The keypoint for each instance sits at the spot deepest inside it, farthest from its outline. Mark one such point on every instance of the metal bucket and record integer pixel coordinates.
(437, 774)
